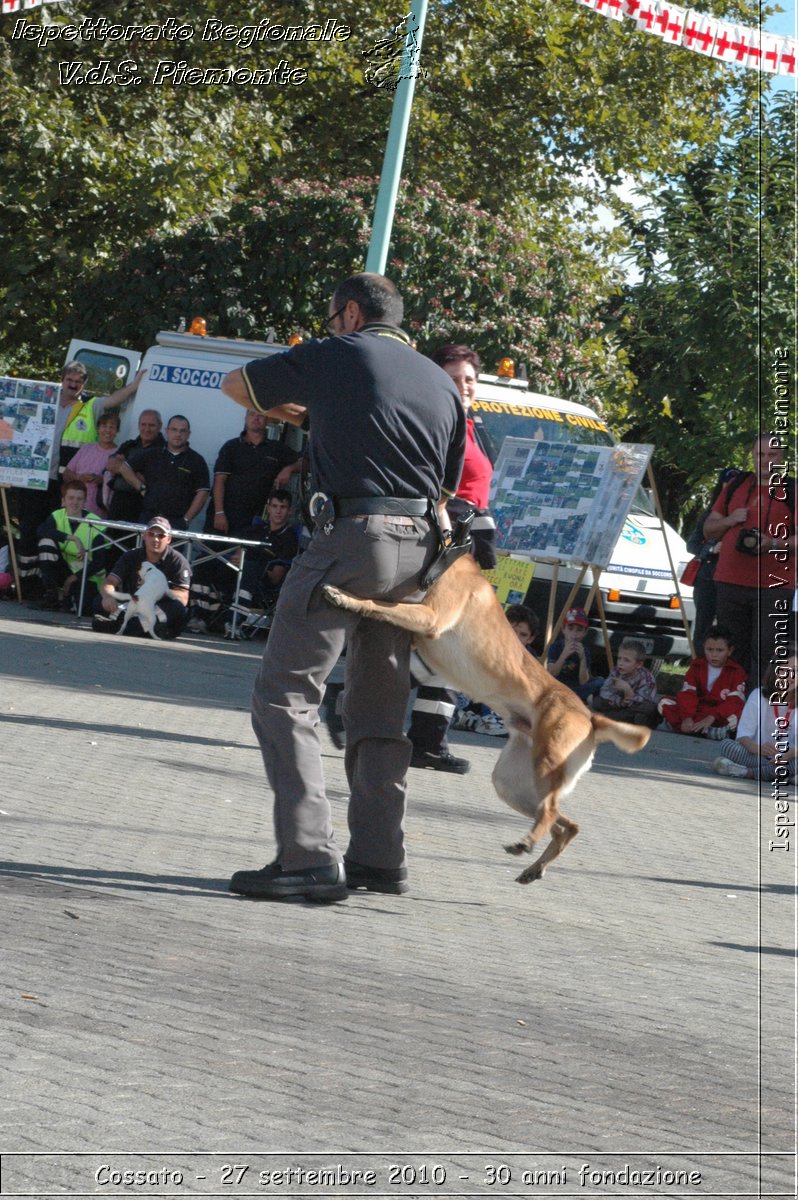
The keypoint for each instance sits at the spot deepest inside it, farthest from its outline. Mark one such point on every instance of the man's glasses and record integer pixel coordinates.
(327, 326)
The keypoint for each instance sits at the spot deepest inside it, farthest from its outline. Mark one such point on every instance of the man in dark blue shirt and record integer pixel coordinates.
(246, 470)
(387, 436)
(126, 501)
(172, 480)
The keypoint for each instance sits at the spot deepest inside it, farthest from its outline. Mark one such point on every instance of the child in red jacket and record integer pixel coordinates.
(713, 692)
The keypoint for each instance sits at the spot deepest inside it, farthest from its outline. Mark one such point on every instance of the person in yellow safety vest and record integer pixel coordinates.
(84, 412)
(65, 540)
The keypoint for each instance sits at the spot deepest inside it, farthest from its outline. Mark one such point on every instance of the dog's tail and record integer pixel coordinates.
(629, 738)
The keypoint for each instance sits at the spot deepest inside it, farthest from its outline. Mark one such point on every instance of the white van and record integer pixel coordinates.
(184, 374)
(637, 587)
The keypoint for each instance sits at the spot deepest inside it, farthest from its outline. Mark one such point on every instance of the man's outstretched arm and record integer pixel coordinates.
(236, 386)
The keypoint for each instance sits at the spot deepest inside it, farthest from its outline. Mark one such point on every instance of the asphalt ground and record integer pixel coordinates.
(624, 1027)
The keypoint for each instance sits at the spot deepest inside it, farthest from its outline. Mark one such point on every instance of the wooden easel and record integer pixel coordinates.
(658, 510)
(553, 627)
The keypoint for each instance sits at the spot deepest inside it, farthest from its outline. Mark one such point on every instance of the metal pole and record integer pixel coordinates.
(397, 137)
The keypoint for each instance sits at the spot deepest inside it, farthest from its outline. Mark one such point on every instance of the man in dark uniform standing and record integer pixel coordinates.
(386, 451)
(247, 468)
(172, 480)
(126, 501)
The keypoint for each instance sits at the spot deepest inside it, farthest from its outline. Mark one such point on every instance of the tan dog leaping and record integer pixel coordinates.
(462, 633)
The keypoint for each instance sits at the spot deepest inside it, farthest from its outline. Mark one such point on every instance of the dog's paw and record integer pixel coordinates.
(335, 596)
(517, 848)
(531, 874)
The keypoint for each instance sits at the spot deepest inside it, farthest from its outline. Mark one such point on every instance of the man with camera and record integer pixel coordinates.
(754, 518)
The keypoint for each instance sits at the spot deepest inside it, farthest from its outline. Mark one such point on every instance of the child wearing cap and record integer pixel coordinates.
(569, 657)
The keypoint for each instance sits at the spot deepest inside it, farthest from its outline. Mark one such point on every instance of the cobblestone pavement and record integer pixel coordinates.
(633, 1011)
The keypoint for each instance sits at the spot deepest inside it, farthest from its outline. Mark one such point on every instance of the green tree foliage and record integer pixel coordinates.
(524, 105)
(715, 301)
(273, 261)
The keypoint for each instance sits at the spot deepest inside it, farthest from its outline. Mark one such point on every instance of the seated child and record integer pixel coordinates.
(713, 692)
(264, 569)
(525, 624)
(767, 733)
(630, 690)
(64, 542)
(478, 718)
(569, 658)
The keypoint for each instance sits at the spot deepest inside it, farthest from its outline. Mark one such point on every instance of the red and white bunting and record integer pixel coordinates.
(700, 32)
(787, 57)
(704, 34)
(753, 49)
(12, 6)
(724, 40)
(646, 15)
(771, 52)
(739, 46)
(661, 15)
(669, 23)
(610, 8)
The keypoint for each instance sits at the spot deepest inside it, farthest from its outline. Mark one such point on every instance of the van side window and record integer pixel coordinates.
(107, 372)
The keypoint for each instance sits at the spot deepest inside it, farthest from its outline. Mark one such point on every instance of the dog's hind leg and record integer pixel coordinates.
(545, 821)
(528, 787)
(419, 619)
(563, 831)
(537, 794)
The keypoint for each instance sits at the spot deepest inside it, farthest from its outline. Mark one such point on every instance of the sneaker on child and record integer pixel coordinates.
(725, 766)
(491, 725)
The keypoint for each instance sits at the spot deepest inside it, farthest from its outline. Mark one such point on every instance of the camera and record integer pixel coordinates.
(749, 541)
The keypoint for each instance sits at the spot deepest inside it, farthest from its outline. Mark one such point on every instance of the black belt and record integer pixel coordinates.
(397, 506)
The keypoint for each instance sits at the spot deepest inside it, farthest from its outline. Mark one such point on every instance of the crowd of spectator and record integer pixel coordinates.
(158, 482)
(69, 557)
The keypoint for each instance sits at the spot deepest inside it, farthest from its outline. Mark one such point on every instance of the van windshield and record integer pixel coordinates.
(495, 421)
(493, 427)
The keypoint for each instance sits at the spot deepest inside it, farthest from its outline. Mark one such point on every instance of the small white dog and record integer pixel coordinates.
(152, 587)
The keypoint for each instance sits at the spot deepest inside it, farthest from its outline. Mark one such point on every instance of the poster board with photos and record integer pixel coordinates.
(27, 431)
(562, 501)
